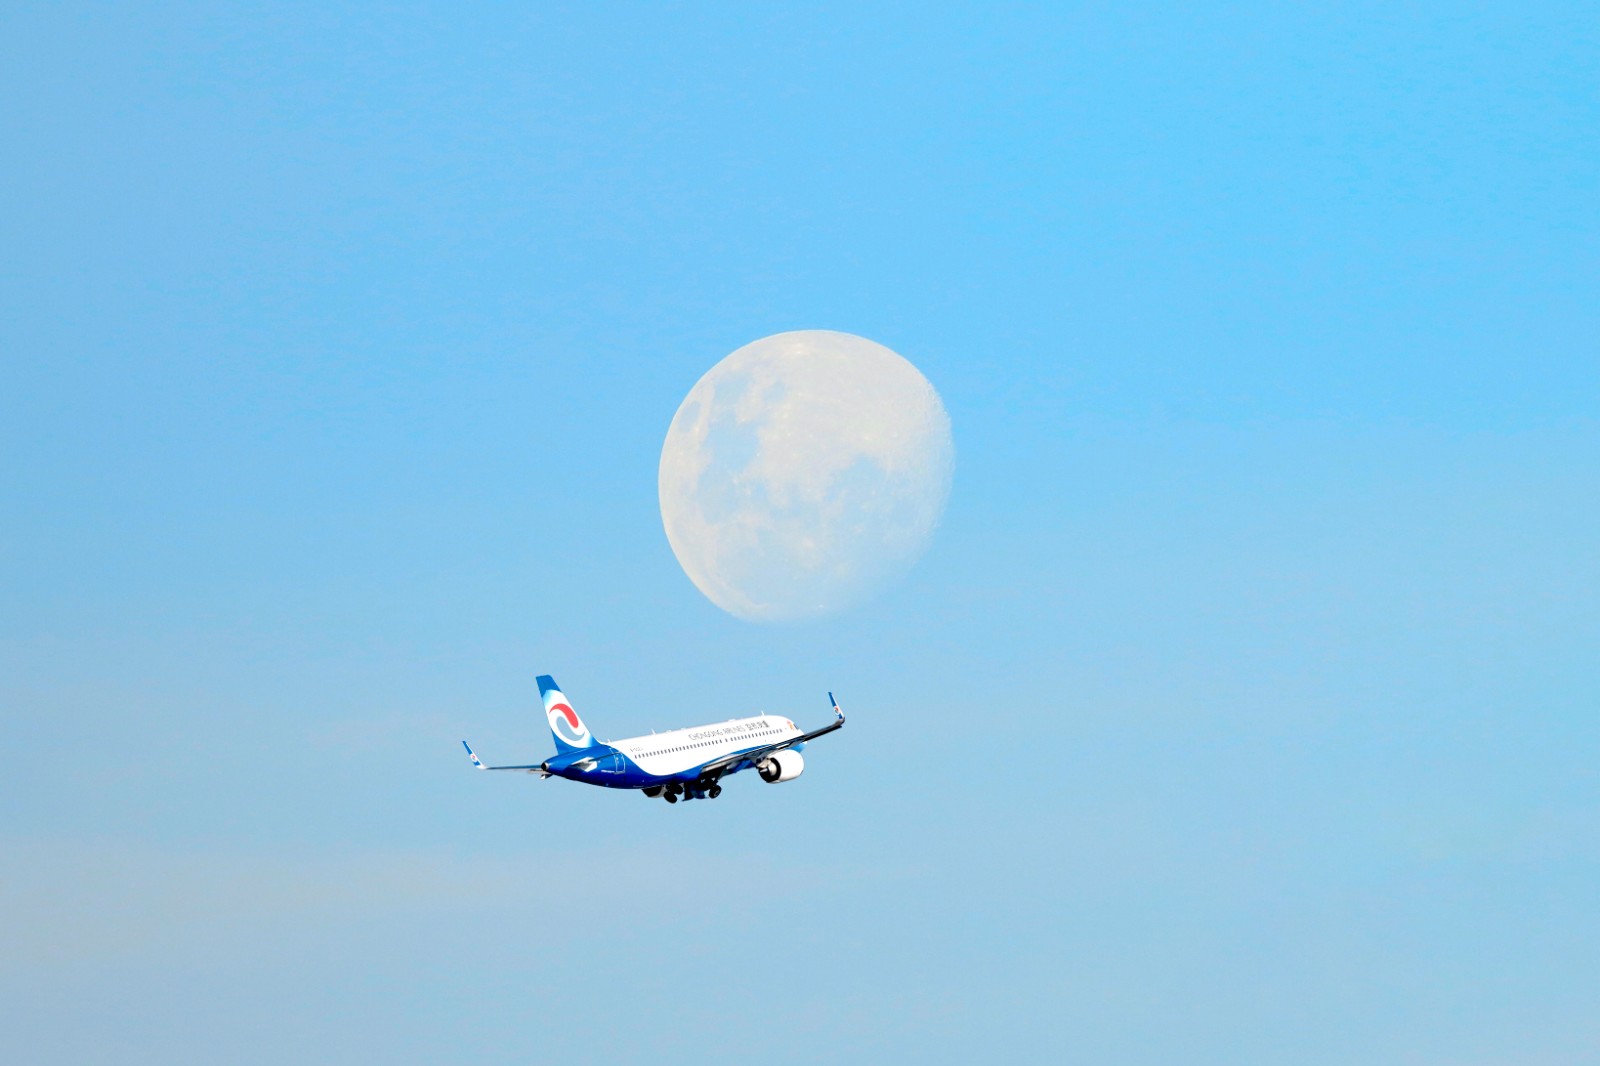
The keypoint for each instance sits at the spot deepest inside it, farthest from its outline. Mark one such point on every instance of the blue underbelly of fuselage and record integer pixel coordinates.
(616, 770)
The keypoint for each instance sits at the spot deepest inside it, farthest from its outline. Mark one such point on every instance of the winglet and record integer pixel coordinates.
(472, 756)
(836, 709)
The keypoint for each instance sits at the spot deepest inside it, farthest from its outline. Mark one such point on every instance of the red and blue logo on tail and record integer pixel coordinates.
(570, 732)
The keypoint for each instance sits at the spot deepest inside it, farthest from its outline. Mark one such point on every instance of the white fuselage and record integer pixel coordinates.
(675, 752)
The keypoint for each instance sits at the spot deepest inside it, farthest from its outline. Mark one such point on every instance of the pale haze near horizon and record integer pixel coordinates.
(1243, 708)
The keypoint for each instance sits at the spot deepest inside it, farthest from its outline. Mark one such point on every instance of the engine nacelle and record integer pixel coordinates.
(785, 765)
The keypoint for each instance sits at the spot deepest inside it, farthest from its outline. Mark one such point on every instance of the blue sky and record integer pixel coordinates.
(1244, 710)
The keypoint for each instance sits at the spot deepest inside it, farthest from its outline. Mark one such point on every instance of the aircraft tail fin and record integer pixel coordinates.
(565, 725)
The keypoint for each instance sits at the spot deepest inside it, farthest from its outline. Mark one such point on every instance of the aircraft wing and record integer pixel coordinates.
(537, 768)
(755, 755)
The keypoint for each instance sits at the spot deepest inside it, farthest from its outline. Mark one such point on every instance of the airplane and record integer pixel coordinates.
(681, 764)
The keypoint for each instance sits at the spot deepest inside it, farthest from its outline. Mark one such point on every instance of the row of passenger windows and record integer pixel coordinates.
(703, 743)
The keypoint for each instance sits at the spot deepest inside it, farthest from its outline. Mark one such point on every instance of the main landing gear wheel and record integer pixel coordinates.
(670, 797)
(716, 790)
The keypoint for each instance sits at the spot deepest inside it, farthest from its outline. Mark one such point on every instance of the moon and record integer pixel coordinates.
(804, 473)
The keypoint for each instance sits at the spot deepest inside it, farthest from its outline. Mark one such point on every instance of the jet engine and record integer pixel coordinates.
(785, 765)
